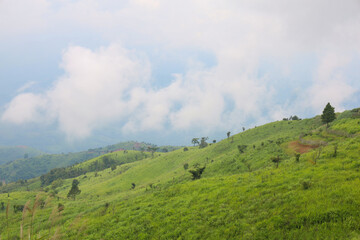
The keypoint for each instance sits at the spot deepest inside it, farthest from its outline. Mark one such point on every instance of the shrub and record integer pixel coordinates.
(196, 173)
(242, 148)
(186, 166)
(306, 185)
(276, 160)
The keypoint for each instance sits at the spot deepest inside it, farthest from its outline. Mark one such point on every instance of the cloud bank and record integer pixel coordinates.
(114, 85)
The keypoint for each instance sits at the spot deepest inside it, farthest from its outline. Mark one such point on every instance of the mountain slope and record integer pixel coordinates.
(256, 192)
(26, 168)
(8, 154)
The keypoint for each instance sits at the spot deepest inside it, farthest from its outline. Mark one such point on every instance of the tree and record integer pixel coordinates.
(195, 141)
(74, 189)
(294, 118)
(228, 134)
(276, 160)
(328, 114)
(203, 142)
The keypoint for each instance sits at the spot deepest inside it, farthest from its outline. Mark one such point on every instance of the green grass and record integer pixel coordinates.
(240, 195)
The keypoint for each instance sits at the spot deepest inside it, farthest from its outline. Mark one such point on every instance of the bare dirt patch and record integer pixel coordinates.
(301, 148)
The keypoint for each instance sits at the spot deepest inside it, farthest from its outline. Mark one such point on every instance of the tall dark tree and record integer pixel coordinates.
(195, 141)
(74, 189)
(328, 114)
(203, 142)
(228, 134)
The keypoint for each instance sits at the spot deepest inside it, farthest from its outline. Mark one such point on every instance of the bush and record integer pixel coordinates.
(242, 148)
(196, 174)
(306, 185)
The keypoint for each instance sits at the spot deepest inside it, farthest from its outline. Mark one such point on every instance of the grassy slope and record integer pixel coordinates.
(240, 196)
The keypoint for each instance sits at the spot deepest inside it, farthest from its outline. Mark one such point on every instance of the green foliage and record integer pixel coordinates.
(195, 141)
(197, 172)
(328, 114)
(276, 160)
(241, 148)
(306, 185)
(203, 142)
(74, 189)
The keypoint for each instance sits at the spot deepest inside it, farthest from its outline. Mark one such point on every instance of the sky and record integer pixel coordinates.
(76, 74)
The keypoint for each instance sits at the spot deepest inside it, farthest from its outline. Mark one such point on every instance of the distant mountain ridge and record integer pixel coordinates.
(11, 153)
(37, 163)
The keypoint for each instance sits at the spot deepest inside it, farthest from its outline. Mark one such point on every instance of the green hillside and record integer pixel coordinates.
(283, 180)
(8, 154)
(30, 167)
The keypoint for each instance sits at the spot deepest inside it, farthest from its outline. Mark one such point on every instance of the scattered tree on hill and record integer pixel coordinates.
(276, 160)
(203, 142)
(214, 141)
(152, 150)
(133, 185)
(186, 149)
(195, 141)
(241, 148)
(243, 129)
(335, 150)
(228, 134)
(74, 189)
(297, 157)
(196, 173)
(294, 118)
(328, 114)
(186, 166)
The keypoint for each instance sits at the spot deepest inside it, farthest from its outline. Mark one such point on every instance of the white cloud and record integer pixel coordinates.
(26, 107)
(26, 86)
(330, 84)
(92, 93)
(113, 84)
